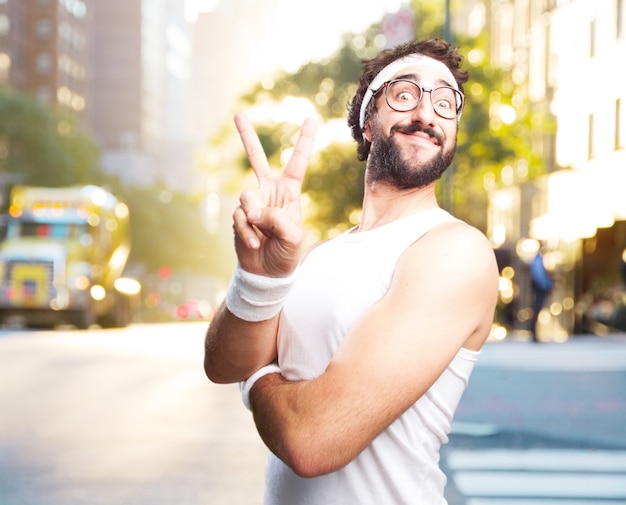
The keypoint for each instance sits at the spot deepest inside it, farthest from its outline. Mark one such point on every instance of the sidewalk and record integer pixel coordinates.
(584, 353)
(524, 336)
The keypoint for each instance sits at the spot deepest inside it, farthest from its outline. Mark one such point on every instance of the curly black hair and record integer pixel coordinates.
(437, 49)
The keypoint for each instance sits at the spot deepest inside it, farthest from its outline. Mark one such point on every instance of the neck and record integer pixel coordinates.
(384, 203)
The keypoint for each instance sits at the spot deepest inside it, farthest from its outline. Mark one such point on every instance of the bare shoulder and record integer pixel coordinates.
(464, 239)
(452, 270)
(455, 244)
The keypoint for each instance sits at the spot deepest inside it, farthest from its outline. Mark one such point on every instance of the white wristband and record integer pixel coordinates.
(246, 385)
(254, 297)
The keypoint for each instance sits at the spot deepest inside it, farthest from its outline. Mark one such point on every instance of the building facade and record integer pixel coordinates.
(141, 79)
(565, 56)
(121, 66)
(45, 50)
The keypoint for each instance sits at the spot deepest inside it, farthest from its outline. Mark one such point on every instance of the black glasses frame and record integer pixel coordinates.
(430, 91)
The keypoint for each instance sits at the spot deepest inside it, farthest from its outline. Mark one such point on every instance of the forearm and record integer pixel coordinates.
(242, 336)
(304, 424)
(282, 423)
(235, 348)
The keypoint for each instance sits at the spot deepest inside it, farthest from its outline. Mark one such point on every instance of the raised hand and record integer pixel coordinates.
(268, 221)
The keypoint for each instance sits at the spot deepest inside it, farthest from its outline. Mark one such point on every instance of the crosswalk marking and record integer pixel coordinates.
(541, 485)
(500, 501)
(539, 460)
(474, 429)
(539, 476)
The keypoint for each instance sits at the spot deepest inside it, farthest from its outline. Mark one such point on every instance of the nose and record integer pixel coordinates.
(424, 113)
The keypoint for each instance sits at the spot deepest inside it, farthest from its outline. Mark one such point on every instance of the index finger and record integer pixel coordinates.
(297, 164)
(252, 145)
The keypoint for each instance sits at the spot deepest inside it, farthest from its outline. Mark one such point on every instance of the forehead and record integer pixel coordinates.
(425, 75)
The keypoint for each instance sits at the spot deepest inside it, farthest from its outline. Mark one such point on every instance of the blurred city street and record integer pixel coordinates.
(128, 417)
(120, 169)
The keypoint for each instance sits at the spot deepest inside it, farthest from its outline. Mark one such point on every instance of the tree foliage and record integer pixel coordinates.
(42, 146)
(168, 229)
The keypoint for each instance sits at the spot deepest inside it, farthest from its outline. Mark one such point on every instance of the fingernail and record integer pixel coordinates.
(254, 243)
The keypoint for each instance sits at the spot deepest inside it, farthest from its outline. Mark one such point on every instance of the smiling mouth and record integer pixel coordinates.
(416, 130)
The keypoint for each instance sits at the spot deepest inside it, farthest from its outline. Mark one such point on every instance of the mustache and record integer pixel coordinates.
(416, 127)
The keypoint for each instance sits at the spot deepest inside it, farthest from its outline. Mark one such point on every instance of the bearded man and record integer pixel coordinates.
(353, 360)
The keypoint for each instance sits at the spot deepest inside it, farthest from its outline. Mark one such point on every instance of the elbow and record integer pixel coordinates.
(211, 370)
(310, 459)
(307, 466)
(310, 471)
(216, 371)
(213, 375)
(222, 375)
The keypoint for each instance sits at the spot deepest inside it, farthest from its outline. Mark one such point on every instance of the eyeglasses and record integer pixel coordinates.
(403, 95)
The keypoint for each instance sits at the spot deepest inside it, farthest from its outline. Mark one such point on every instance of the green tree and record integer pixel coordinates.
(43, 146)
(167, 229)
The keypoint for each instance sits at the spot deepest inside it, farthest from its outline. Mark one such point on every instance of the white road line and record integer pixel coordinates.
(540, 485)
(539, 476)
(538, 460)
(474, 429)
(524, 501)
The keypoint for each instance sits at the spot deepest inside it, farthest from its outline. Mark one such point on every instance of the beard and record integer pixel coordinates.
(386, 164)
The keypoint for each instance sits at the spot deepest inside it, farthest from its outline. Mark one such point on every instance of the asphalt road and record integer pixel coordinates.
(127, 417)
(542, 424)
(121, 417)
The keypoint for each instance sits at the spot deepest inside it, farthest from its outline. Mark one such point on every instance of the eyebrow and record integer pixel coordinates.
(415, 77)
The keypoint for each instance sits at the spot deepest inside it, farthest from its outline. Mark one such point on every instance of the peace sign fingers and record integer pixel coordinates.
(268, 221)
(253, 147)
(297, 164)
(295, 168)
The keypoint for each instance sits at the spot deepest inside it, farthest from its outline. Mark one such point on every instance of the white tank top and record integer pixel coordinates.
(338, 281)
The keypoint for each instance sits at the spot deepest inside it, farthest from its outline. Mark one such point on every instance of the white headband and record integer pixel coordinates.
(387, 73)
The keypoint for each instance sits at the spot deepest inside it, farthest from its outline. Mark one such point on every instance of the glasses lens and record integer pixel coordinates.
(446, 101)
(403, 95)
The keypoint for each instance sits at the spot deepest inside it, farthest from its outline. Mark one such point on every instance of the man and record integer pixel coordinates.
(354, 361)
(542, 284)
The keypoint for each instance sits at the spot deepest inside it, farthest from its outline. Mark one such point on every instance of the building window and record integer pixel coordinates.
(592, 39)
(43, 63)
(5, 66)
(5, 24)
(619, 134)
(590, 138)
(77, 8)
(44, 29)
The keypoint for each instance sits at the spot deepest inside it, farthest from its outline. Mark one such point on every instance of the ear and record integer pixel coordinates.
(367, 132)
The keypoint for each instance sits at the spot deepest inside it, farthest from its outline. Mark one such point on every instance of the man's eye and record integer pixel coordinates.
(405, 96)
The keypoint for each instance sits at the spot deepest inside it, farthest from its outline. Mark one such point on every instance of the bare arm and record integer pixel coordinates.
(234, 349)
(268, 237)
(442, 298)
